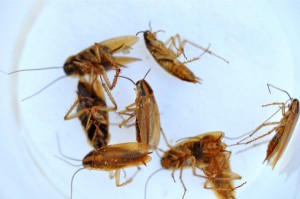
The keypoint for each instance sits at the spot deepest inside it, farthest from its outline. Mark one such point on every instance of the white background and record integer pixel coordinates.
(260, 39)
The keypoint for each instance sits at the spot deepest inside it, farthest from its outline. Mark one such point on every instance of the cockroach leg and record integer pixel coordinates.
(259, 137)
(125, 121)
(281, 104)
(180, 178)
(109, 95)
(165, 138)
(183, 43)
(257, 129)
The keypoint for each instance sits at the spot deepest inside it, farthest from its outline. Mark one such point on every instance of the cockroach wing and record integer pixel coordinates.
(122, 61)
(118, 44)
(287, 133)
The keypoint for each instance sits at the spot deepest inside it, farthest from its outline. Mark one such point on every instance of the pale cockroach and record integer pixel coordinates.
(207, 153)
(114, 158)
(95, 61)
(92, 112)
(146, 111)
(167, 54)
(283, 128)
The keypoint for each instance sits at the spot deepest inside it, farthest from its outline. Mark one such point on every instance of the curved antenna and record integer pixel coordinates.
(61, 153)
(127, 78)
(270, 85)
(139, 32)
(159, 31)
(145, 189)
(65, 161)
(146, 74)
(235, 138)
(73, 179)
(44, 88)
(150, 27)
(33, 69)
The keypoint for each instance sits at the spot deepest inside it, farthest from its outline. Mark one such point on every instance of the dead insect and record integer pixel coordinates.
(284, 129)
(166, 55)
(113, 158)
(92, 112)
(146, 111)
(95, 61)
(207, 153)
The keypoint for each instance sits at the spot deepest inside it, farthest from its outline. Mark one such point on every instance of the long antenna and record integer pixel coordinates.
(33, 69)
(127, 79)
(145, 189)
(147, 73)
(235, 138)
(270, 85)
(61, 153)
(73, 179)
(59, 78)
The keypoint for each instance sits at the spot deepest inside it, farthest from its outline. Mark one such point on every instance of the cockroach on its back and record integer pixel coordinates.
(92, 112)
(284, 129)
(95, 61)
(146, 111)
(166, 55)
(207, 153)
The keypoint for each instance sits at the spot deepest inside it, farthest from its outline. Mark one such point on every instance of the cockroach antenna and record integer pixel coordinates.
(146, 185)
(33, 69)
(73, 180)
(270, 85)
(57, 79)
(127, 79)
(146, 74)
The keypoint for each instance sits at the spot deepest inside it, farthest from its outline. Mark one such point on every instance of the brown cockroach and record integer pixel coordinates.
(146, 111)
(283, 128)
(114, 158)
(92, 112)
(95, 61)
(207, 153)
(166, 55)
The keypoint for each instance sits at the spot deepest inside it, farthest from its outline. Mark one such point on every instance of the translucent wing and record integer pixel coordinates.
(118, 44)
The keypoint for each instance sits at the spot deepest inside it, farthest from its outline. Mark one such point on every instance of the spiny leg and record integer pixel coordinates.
(172, 43)
(281, 104)
(259, 137)
(109, 94)
(68, 115)
(183, 43)
(257, 129)
(125, 121)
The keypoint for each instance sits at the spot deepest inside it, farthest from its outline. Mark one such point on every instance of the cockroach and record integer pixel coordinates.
(146, 111)
(207, 153)
(284, 129)
(95, 61)
(166, 55)
(114, 158)
(92, 112)
(218, 169)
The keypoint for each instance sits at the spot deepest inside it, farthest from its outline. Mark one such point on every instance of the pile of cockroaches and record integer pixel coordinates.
(205, 152)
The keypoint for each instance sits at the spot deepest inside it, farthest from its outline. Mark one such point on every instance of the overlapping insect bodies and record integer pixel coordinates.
(167, 54)
(218, 169)
(207, 153)
(92, 112)
(146, 111)
(116, 157)
(99, 58)
(284, 130)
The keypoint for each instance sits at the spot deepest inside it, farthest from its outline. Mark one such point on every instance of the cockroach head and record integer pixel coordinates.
(295, 106)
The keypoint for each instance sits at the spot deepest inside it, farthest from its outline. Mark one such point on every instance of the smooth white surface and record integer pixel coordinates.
(258, 38)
